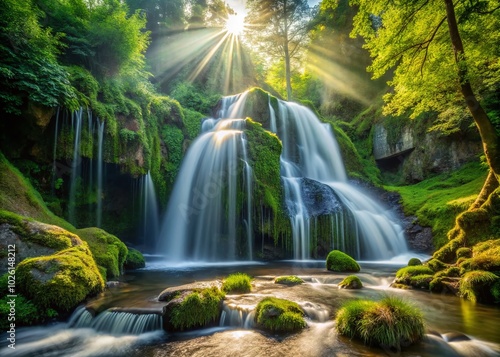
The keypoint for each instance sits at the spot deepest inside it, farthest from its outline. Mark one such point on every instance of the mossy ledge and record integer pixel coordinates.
(390, 323)
(279, 315)
(341, 262)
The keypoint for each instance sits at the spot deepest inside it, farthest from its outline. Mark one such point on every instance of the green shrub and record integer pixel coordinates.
(479, 286)
(341, 262)
(351, 282)
(390, 323)
(237, 283)
(198, 309)
(288, 280)
(279, 315)
(414, 261)
(134, 260)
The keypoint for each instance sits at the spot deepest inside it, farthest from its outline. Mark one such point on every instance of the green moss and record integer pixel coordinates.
(60, 281)
(351, 282)
(237, 283)
(18, 195)
(341, 262)
(26, 312)
(438, 200)
(134, 260)
(404, 275)
(279, 315)
(448, 252)
(479, 286)
(390, 323)
(288, 280)
(436, 265)
(464, 252)
(414, 261)
(198, 309)
(421, 281)
(108, 251)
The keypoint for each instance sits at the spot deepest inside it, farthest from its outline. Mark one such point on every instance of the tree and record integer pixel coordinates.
(448, 69)
(280, 27)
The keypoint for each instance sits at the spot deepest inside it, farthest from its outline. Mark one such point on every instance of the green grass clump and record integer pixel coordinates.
(279, 315)
(389, 323)
(60, 281)
(237, 283)
(341, 262)
(351, 282)
(404, 275)
(288, 280)
(134, 260)
(414, 261)
(437, 201)
(479, 286)
(198, 309)
(108, 251)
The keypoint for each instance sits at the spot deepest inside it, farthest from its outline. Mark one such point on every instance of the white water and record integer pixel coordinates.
(76, 124)
(201, 223)
(151, 212)
(100, 164)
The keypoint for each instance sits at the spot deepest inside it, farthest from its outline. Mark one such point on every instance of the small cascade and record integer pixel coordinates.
(76, 124)
(204, 215)
(100, 166)
(116, 322)
(315, 312)
(241, 316)
(151, 219)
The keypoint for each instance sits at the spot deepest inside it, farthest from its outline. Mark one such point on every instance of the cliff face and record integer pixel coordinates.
(415, 155)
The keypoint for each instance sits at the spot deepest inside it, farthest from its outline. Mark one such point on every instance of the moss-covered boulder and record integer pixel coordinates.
(109, 252)
(190, 309)
(289, 280)
(480, 286)
(60, 281)
(134, 260)
(390, 323)
(237, 283)
(31, 238)
(414, 261)
(351, 282)
(279, 315)
(341, 262)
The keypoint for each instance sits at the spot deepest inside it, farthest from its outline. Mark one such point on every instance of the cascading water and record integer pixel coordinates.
(151, 220)
(76, 124)
(201, 221)
(100, 143)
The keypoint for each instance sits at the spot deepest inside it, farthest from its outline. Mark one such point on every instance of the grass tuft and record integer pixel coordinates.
(237, 283)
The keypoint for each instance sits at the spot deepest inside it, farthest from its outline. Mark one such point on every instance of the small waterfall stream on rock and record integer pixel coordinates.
(200, 222)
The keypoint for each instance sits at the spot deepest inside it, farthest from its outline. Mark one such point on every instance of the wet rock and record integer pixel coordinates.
(176, 291)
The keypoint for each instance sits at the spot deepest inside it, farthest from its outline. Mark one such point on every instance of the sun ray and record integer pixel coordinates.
(235, 24)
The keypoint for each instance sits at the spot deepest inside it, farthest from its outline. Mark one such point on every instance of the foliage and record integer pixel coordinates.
(279, 315)
(197, 309)
(60, 281)
(478, 286)
(351, 282)
(109, 252)
(239, 283)
(27, 313)
(288, 280)
(339, 261)
(437, 200)
(194, 98)
(134, 260)
(414, 261)
(389, 323)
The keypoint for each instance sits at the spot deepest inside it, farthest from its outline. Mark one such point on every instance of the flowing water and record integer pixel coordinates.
(201, 223)
(129, 323)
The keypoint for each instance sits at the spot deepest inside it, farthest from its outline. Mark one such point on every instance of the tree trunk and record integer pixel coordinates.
(489, 186)
(488, 133)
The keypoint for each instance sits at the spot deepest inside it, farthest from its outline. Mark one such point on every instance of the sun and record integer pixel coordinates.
(235, 24)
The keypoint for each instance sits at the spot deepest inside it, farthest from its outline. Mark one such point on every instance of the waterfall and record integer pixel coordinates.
(204, 215)
(115, 321)
(205, 219)
(76, 124)
(100, 142)
(237, 315)
(54, 154)
(151, 220)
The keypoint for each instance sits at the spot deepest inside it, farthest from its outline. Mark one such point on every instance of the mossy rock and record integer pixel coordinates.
(279, 315)
(31, 238)
(479, 286)
(351, 282)
(289, 280)
(134, 260)
(108, 251)
(436, 265)
(421, 281)
(464, 252)
(390, 323)
(237, 283)
(404, 275)
(193, 309)
(448, 252)
(414, 261)
(341, 262)
(60, 281)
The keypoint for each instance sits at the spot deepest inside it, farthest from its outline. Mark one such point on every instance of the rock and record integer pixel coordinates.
(172, 292)
(351, 282)
(341, 262)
